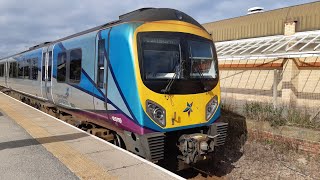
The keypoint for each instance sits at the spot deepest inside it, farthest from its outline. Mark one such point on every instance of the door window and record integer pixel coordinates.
(75, 65)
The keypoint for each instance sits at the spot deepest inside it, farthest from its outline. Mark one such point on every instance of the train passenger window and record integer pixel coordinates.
(100, 68)
(26, 74)
(13, 73)
(11, 70)
(75, 65)
(1, 70)
(34, 69)
(43, 66)
(49, 66)
(20, 69)
(62, 67)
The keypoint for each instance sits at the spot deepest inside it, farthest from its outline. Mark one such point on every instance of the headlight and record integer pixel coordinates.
(156, 112)
(211, 107)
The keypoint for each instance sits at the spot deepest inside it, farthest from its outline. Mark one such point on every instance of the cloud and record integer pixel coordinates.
(25, 23)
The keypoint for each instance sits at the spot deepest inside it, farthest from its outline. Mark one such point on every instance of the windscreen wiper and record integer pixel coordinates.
(201, 78)
(178, 70)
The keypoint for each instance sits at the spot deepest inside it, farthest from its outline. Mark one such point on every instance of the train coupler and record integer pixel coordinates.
(195, 147)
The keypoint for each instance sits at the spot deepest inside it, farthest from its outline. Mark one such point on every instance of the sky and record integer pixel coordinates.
(25, 23)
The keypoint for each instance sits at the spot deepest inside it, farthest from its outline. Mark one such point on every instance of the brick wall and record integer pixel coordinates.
(294, 143)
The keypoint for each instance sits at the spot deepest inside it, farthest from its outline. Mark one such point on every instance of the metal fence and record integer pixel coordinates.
(279, 90)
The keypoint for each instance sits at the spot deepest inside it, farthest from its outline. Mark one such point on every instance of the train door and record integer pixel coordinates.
(46, 71)
(102, 68)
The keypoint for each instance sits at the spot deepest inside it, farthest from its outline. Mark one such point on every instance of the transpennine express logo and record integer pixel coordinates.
(188, 108)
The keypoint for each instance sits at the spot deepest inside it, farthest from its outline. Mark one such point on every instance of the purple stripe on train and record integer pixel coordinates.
(116, 118)
(123, 122)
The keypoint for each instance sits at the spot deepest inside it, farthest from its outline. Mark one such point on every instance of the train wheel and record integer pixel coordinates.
(118, 141)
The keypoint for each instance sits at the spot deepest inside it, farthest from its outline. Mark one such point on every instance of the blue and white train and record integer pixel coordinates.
(149, 82)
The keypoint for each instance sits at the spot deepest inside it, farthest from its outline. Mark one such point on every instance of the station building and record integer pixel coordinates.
(271, 57)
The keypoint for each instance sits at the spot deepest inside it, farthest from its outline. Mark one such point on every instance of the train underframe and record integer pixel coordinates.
(176, 150)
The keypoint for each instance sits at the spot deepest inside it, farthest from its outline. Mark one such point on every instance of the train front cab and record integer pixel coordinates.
(178, 84)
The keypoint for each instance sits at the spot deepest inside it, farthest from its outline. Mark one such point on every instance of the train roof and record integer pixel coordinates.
(142, 15)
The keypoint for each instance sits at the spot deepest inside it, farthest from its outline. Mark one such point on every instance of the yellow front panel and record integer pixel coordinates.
(175, 104)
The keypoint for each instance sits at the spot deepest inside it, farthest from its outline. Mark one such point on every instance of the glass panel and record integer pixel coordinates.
(20, 69)
(50, 66)
(43, 66)
(182, 58)
(100, 76)
(34, 69)
(161, 57)
(13, 73)
(61, 67)
(310, 43)
(11, 70)
(250, 47)
(200, 50)
(101, 48)
(201, 59)
(1, 70)
(264, 45)
(26, 65)
(75, 65)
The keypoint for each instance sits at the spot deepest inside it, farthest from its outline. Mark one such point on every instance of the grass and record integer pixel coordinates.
(267, 112)
(278, 116)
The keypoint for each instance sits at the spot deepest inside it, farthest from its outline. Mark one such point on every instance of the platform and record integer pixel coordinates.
(35, 145)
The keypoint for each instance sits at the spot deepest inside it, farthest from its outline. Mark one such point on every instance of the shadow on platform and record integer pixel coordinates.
(37, 141)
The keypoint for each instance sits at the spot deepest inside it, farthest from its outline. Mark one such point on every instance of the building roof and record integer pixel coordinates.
(301, 44)
(267, 23)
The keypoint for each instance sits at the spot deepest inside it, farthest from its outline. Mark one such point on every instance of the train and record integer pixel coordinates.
(147, 82)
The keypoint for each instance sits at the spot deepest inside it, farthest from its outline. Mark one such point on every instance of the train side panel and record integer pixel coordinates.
(122, 86)
(26, 84)
(70, 91)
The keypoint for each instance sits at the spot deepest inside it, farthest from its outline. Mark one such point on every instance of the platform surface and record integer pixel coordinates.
(34, 145)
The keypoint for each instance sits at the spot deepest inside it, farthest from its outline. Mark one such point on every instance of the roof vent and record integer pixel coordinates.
(254, 10)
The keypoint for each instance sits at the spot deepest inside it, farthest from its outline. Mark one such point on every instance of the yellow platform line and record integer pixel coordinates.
(77, 162)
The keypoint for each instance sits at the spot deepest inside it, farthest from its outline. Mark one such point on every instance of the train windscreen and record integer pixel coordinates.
(184, 60)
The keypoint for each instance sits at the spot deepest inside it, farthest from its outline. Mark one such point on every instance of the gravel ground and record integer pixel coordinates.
(261, 160)
(242, 159)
